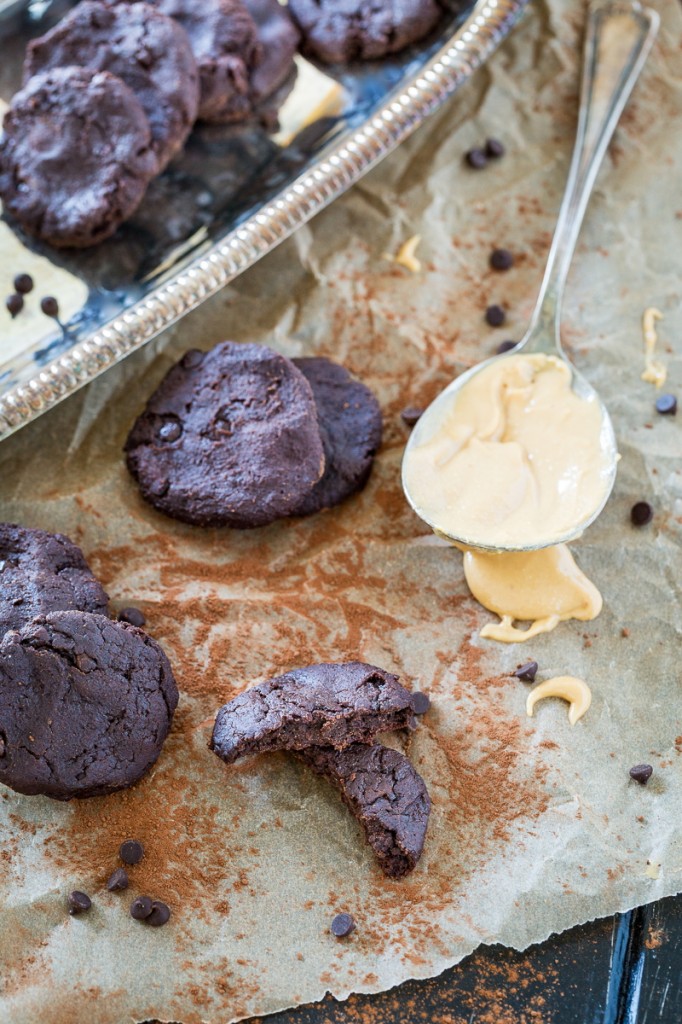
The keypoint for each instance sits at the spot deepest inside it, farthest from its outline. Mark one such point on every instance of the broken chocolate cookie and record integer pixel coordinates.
(385, 793)
(331, 704)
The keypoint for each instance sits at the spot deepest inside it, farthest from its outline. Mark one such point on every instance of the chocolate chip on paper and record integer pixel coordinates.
(641, 773)
(342, 925)
(131, 851)
(78, 902)
(118, 880)
(141, 908)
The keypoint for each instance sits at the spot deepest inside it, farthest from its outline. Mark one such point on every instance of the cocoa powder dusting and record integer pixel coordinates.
(232, 607)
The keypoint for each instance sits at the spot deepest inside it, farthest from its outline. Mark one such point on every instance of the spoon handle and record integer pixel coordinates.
(618, 38)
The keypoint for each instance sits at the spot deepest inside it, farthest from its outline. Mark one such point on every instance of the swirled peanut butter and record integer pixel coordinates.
(543, 587)
(514, 459)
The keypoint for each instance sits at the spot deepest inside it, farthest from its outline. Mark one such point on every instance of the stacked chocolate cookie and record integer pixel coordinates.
(329, 715)
(242, 436)
(85, 702)
(112, 92)
(338, 32)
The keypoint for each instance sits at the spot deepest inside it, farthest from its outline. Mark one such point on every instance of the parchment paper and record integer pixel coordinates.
(536, 825)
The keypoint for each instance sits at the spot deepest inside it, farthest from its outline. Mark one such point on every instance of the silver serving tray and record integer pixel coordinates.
(233, 197)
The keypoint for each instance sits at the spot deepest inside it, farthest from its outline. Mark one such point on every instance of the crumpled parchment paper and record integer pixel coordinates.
(536, 825)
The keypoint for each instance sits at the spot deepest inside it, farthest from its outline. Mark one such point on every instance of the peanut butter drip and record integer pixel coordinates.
(543, 587)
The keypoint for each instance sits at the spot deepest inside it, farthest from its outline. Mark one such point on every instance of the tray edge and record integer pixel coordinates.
(470, 46)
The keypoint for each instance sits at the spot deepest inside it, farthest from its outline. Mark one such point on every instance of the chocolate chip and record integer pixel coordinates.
(666, 405)
(15, 304)
(641, 773)
(118, 881)
(477, 159)
(342, 925)
(494, 149)
(192, 358)
(169, 431)
(79, 902)
(421, 702)
(131, 852)
(133, 616)
(141, 908)
(527, 672)
(641, 513)
(495, 316)
(411, 415)
(501, 259)
(50, 306)
(159, 914)
(159, 487)
(506, 346)
(23, 283)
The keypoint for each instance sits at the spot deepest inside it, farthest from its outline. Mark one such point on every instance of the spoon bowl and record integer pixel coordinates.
(431, 418)
(618, 39)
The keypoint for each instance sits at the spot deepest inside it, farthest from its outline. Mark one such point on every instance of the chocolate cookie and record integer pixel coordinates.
(387, 796)
(226, 46)
(149, 51)
(327, 705)
(350, 427)
(229, 438)
(338, 31)
(86, 705)
(43, 572)
(75, 157)
(279, 39)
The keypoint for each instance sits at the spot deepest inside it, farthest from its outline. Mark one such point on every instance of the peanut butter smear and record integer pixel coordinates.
(543, 587)
(514, 460)
(569, 688)
(655, 371)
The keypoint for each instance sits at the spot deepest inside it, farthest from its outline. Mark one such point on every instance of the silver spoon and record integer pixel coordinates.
(619, 36)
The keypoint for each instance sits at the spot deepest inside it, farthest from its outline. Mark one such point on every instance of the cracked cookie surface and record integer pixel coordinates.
(43, 572)
(385, 793)
(76, 156)
(149, 51)
(327, 704)
(85, 705)
(229, 438)
(226, 47)
(338, 31)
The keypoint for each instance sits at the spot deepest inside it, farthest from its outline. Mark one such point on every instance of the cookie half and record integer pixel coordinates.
(76, 156)
(330, 704)
(350, 426)
(86, 704)
(148, 50)
(229, 438)
(386, 795)
(43, 572)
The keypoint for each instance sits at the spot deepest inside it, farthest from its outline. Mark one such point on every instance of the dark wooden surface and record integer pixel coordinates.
(624, 970)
